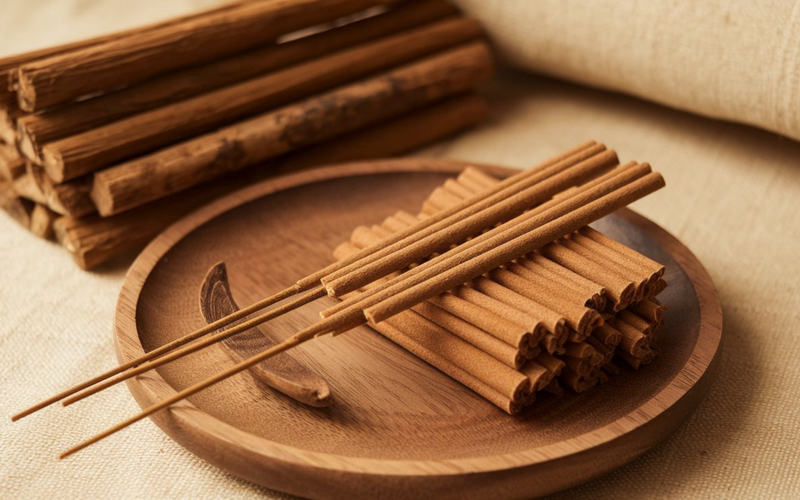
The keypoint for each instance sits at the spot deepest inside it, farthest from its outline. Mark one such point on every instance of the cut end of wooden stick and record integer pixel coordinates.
(27, 145)
(26, 92)
(101, 196)
(53, 164)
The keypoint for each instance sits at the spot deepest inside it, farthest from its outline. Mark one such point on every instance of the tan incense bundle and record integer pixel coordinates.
(113, 129)
(461, 287)
(535, 323)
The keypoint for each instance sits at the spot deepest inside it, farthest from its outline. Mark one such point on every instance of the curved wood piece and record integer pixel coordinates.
(283, 373)
(399, 428)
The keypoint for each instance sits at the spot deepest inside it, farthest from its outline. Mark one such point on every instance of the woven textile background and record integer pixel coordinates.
(732, 198)
(731, 59)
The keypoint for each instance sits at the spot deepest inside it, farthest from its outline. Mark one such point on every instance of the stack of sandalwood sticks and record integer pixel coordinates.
(493, 233)
(105, 142)
(559, 316)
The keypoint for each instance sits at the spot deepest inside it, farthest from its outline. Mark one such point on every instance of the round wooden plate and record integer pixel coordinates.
(398, 428)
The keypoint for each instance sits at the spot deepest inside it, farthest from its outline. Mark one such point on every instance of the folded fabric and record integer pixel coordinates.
(730, 59)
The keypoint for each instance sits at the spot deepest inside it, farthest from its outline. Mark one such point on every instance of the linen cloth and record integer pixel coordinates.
(731, 197)
(732, 59)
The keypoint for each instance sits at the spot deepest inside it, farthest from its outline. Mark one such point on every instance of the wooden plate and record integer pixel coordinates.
(398, 428)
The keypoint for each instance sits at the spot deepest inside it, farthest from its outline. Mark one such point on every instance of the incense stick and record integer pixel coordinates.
(435, 278)
(400, 238)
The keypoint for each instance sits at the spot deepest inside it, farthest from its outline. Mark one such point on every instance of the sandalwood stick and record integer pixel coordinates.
(619, 290)
(11, 168)
(145, 132)
(18, 208)
(637, 277)
(26, 187)
(578, 317)
(653, 266)
(36, 130)
(42, 219)
(390, 330)
(536, 328)
(406, 255)
(8, 65)
(489, 251)
(494, 347)
(445, 217)
(351, 320)
(561, 293)
(172, 351)
(450, 312)
(650, 310)
(432, 279)
(485, 213)
(298, 125)
(70, 198)
(552, 321)
(499, 327)
(538, 263)
(149, 53)
(8, 119)
(93, 240)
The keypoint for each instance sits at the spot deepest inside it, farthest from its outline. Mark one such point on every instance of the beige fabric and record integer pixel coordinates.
(731, 197)
(732, 59)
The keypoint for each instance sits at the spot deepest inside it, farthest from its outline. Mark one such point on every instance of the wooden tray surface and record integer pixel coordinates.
(398, 428)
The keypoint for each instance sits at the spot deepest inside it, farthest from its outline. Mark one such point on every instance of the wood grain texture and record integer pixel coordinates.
(297, 125)
(38, 129)
(399, 429)
(145, 132)
(93, 240)
(148, 53)
(18, 208)
(282, 372)
(8, 65)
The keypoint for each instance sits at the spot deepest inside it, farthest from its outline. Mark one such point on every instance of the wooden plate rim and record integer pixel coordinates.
(154, 388)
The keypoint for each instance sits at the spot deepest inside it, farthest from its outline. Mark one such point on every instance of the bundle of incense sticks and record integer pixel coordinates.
(101, 134)
(559, 316)
(494, 233)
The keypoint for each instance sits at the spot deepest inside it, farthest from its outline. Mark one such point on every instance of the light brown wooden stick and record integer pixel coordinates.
(426, 284)
(158, 351)
(620, 290)
(145, 132)
(391, 329)
(18, 208)
(11, 168)
(92, 240)
(450, 311)
(393, 137)
(400, 259)
(653, 266)
(445, 217)
(293, 341)
(35, 130)
(481, 301)
(494, 250)
(552, 321)
(510, 356)
(482, 215)
(168, 355)
(8, 120)
(8, 65)
(149, 53)
(298, 125)
(25, 185)
(579, 317)
(42, 219)
(637, 277)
